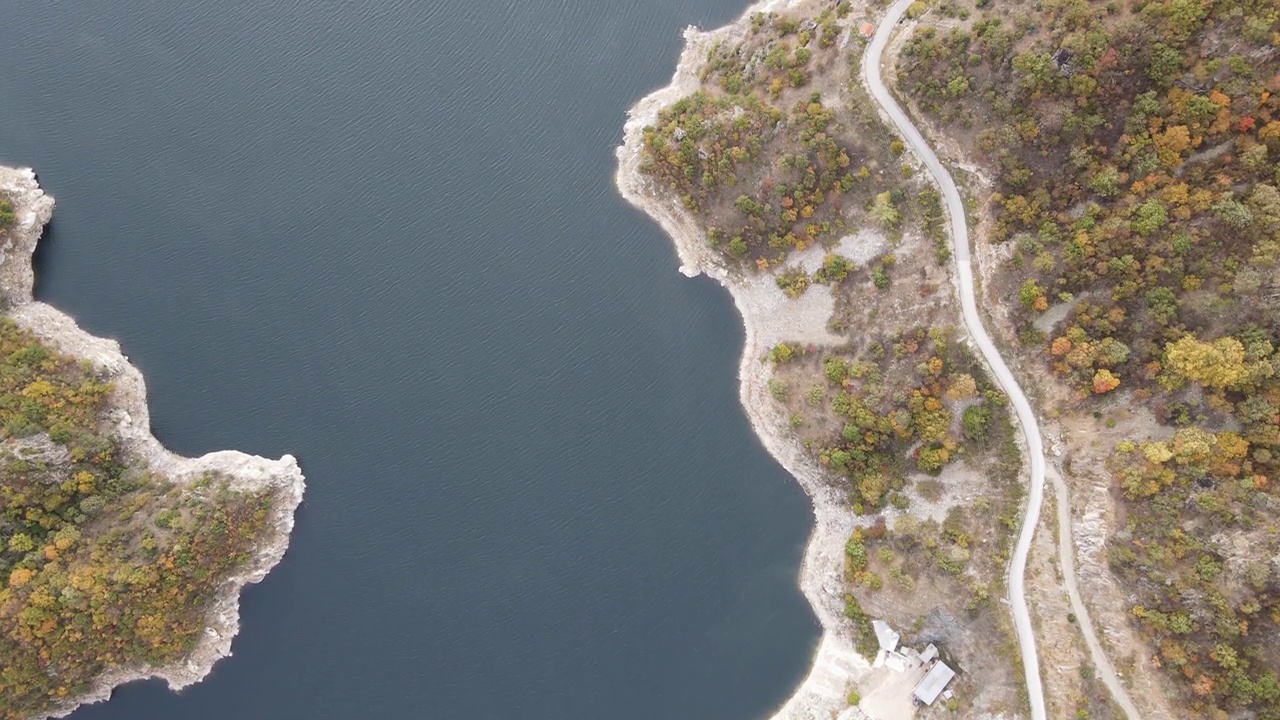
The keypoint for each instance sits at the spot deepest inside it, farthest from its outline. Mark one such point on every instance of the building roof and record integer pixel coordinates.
(867, 29)
(930, 652)
(887, 638)
(934, 683)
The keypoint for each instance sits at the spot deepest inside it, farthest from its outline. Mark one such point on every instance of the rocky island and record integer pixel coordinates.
(119, 560)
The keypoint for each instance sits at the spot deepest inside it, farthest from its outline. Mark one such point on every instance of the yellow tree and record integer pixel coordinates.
(1171, 143)
(1219, 364)
(1104, 381)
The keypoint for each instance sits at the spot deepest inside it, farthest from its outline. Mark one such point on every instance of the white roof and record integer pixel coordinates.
(885, 635)
(934, 683)
(930, 652)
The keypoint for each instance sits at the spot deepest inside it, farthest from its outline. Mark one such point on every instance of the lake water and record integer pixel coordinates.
(383, 236)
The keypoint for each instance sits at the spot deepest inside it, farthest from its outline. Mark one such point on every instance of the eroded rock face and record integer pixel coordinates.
(131, 424)
(50, 461)
(33, 209)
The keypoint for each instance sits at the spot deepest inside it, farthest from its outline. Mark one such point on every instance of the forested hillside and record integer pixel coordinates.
(1136, 149)
(104, 564)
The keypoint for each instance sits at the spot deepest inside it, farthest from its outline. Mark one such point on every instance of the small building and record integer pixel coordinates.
(867, 30)
(885, 635)
(934, 682)
(930, 653)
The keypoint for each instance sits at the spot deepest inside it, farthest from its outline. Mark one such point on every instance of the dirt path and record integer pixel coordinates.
(1066, 558)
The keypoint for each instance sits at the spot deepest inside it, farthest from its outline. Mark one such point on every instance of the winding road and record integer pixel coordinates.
(1026, 418)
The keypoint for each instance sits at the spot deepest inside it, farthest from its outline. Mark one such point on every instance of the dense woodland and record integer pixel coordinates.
(768, 164)
(1137, 152)
(102, 564)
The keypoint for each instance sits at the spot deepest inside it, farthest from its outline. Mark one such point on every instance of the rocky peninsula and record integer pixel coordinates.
(123, 578)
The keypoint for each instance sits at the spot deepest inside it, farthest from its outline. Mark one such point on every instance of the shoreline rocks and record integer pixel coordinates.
(768, 318)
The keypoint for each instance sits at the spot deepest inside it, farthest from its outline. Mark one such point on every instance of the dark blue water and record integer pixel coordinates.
(383, 236)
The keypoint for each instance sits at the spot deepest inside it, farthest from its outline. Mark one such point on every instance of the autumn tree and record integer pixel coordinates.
(1218, 364)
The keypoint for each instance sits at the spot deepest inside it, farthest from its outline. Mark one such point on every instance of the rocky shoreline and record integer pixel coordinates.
(129, 414)
(769, 317)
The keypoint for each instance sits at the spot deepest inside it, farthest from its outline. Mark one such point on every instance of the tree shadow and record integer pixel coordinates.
(41, 259)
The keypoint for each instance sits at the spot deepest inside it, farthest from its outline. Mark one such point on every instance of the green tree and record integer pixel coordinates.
(1034, 70)
(1149, 217)
(1162, 304)
(1264, 203)
(1233, 213)
(1183, 18)
(21, 543)
(1030, 293)
(880, 277)
(932, 459)
(976, 422)
(884, 212)
(1106, 182)
(835, 268)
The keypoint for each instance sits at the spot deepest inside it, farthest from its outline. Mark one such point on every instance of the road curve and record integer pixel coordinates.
(973, 322)
(1030, 428)
(1106, 671)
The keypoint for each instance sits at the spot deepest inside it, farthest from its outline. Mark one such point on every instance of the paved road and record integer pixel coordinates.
(972, 321)
(1026, 418)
